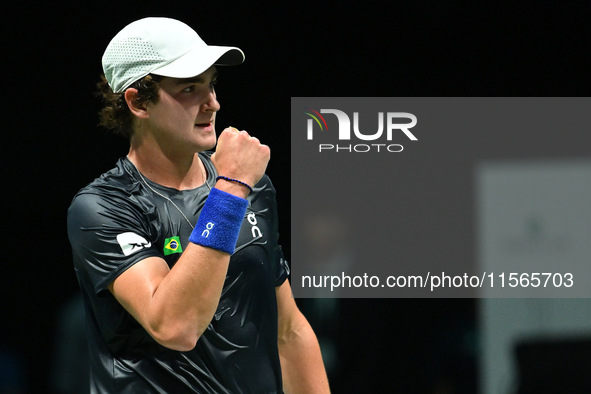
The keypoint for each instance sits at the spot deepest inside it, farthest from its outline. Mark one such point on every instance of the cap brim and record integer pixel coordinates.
(199, 60)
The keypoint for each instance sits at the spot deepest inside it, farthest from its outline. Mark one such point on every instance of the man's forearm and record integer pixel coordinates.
(174, 306)
(191, 292)
(301, 361)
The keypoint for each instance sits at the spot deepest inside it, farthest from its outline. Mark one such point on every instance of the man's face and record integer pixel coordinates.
(184, 116)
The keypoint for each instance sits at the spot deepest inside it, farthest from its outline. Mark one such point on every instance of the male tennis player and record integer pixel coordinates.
(176, 248)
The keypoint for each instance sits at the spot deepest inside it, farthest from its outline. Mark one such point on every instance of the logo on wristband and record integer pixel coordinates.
(208, 226)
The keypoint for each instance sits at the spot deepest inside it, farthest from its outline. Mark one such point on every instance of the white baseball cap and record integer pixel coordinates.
(161, 46)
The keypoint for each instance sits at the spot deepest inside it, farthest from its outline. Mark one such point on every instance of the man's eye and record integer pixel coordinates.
(189, 89)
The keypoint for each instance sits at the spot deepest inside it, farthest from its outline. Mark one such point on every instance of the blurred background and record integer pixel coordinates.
(51, 147)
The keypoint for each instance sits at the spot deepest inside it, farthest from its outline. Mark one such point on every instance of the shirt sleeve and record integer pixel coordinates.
(108, 235)
(281, 265)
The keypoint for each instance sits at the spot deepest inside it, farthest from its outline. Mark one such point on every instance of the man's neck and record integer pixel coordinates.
(181, 173)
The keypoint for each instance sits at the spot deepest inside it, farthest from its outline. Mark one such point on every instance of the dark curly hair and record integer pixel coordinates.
(115, 114)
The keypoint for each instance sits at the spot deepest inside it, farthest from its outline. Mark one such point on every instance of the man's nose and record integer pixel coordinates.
(212, 103)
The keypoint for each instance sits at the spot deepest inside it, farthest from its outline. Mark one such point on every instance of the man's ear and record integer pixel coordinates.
(137, 108)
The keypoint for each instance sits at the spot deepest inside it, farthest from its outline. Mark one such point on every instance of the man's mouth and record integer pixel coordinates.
(205, 126)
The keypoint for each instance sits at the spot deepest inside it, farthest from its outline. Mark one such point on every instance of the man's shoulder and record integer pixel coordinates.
(265, 184)
(115, 184)
(118, 177)
(114, 198)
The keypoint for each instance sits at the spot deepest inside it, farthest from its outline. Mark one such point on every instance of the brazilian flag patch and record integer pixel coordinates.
(172, 245)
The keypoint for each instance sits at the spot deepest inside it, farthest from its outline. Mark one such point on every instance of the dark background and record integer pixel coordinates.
(51, 145)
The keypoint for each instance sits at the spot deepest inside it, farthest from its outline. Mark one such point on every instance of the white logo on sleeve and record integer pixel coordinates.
(131, 243)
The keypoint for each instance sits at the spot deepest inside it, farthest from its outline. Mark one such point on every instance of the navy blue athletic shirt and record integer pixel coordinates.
(115, 222)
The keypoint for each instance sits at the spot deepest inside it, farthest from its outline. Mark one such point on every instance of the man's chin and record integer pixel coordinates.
(207, 145)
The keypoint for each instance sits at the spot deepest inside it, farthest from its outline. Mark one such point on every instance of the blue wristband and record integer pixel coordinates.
(219, 222)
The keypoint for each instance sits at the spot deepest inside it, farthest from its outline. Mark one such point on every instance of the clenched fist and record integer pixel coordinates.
(240, 156)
